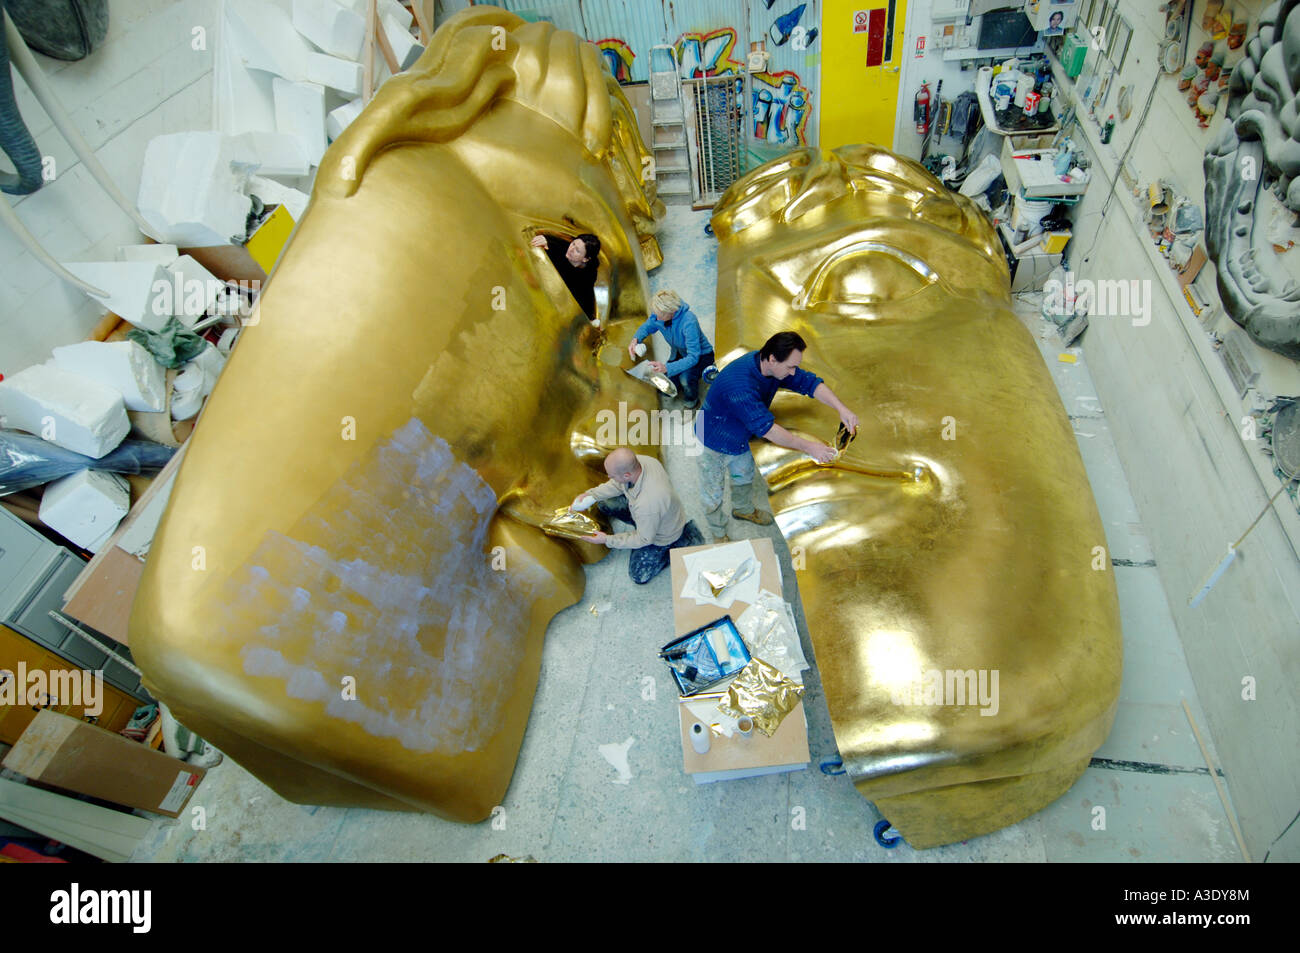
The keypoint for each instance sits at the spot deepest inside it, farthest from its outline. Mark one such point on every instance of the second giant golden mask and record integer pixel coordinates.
(965, 626)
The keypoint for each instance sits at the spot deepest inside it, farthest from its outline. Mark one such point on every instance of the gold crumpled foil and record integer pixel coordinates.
(569, 525)
(764, 694)
(843, 437)
(661, 382)
(719, 579)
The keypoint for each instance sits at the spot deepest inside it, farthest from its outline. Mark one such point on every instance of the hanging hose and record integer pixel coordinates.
(15, 139)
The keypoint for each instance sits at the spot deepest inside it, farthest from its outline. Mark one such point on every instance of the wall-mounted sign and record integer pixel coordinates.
(860, 20)
(920, 47)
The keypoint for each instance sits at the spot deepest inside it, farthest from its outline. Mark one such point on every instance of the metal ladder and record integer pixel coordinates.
(668, 127)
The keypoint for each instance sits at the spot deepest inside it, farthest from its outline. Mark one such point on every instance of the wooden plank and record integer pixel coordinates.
(424, 21)
(368, 54)
(687, 616)
(103, 601)
(390, 57)
(788, 745)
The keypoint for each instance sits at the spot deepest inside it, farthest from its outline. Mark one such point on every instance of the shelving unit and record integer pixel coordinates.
(1106, 159)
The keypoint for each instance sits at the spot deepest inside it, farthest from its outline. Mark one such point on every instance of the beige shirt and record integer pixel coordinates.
(655, 509)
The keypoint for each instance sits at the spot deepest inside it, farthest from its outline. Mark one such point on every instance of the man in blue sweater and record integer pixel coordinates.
(691, 351)
(736, 409)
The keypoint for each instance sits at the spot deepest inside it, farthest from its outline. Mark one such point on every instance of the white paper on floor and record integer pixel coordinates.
(768, 628)
(721, 559)
(616, 755)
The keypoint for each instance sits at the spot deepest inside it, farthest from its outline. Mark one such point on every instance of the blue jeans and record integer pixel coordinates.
(688, 381)
(648, 561)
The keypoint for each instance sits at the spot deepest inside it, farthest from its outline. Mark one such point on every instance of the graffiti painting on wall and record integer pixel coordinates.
(618, 57)
(781, 103)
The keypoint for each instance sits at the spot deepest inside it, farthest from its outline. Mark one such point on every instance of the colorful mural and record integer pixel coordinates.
(780, 108)
(618, 57)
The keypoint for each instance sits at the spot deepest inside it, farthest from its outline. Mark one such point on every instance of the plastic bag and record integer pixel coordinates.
(27, 461)
(982, 176)
(171, 347)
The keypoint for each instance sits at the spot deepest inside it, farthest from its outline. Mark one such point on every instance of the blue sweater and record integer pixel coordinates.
(683, 332)
(736, 405)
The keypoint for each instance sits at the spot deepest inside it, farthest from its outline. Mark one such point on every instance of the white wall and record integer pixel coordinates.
(146, 79)
(930, 68)
(1197, 483)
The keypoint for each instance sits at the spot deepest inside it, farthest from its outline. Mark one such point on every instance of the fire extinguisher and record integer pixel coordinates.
(921, 109)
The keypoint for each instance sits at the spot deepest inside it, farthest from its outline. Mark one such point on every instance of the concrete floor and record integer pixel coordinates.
(566, 802)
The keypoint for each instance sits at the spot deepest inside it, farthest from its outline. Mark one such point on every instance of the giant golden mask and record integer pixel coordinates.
(955, 580)
(349, 589)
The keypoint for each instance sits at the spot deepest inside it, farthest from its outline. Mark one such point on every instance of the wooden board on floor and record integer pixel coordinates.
(688, 616)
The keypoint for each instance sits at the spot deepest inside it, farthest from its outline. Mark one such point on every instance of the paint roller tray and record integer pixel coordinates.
(704, 658)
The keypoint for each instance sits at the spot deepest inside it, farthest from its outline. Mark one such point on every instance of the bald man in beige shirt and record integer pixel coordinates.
(639, 492)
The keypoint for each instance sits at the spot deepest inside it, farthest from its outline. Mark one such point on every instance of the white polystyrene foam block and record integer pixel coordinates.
(386, 8)
(336, 29)
(242, 99)
(265, 37)
(274, 193)
(86, 506)
(390, 9)
(161, 254)
(124, 366)
(340, 118)
(129, 289)
(270, 153)
(343, 75)
(195, 289)
(64, 408)
(189, 191)
(300, 111)
(195, 382)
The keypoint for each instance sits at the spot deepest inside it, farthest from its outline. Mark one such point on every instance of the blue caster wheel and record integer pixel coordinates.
(708, 229)
(887, 842)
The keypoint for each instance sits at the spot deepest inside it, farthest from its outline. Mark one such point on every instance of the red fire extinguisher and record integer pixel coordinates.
(921, 109)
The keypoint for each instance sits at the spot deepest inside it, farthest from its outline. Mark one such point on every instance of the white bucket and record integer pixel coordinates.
(1027, 213)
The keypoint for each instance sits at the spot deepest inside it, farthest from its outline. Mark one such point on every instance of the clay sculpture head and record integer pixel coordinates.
(1253, 164)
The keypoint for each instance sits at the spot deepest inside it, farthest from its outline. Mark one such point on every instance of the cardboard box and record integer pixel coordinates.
(252, 261)
(70, 754)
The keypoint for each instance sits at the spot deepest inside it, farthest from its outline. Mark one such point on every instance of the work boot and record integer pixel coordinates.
(761, 517)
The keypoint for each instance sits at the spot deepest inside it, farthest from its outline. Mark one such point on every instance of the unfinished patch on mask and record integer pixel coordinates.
(386, 580)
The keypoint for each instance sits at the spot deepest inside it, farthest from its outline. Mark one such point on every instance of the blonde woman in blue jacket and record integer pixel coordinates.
(692, 353)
